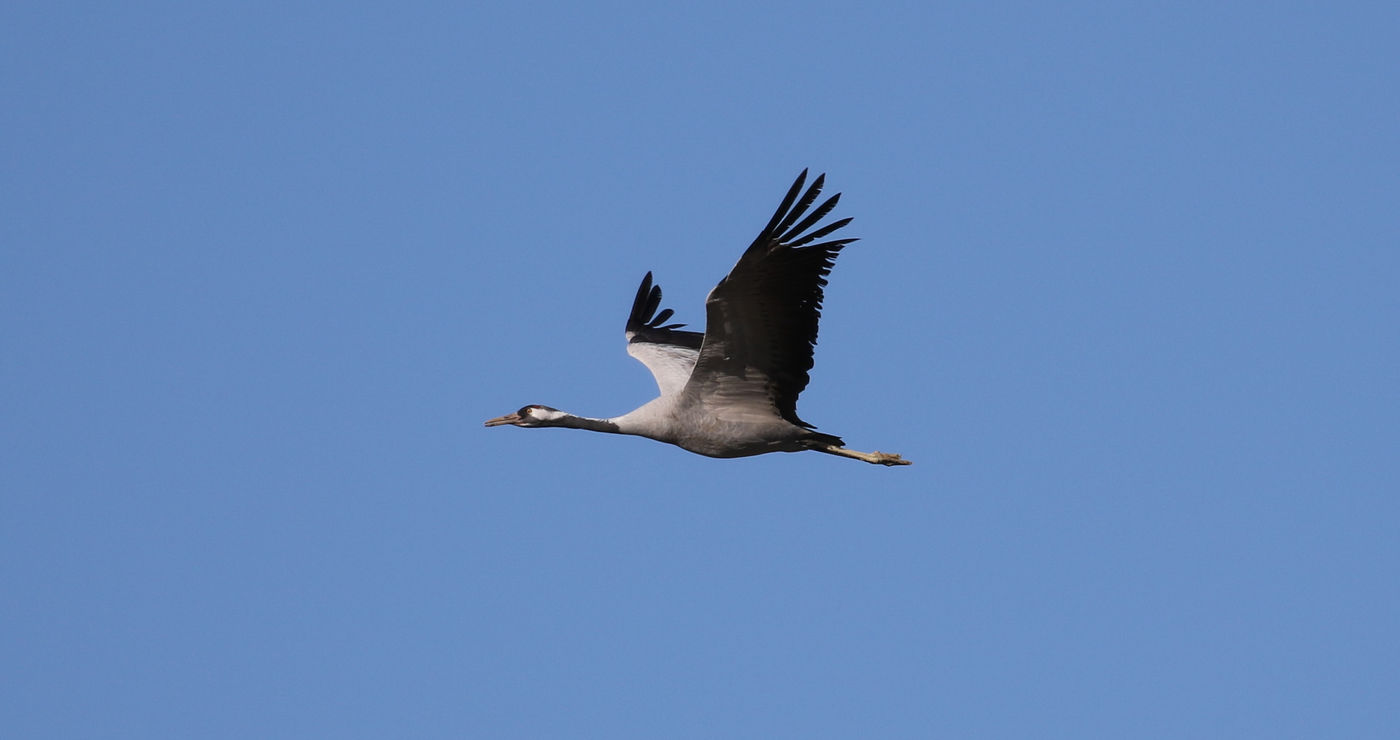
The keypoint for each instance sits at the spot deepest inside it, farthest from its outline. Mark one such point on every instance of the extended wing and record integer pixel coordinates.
(668, 353)
(761, 319)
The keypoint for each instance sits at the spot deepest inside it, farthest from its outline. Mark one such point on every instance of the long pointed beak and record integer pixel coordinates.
(501, 420)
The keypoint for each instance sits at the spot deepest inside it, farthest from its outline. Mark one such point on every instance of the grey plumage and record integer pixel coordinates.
(732, 391)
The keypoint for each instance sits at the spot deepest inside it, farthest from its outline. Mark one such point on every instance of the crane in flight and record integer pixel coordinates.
(732, 391)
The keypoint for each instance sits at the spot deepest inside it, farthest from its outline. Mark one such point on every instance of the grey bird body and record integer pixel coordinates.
(732, 391)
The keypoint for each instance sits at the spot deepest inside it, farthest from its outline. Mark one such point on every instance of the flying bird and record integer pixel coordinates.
(732, 391)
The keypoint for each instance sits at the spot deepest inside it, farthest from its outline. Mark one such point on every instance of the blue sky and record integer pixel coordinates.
(1126, 294)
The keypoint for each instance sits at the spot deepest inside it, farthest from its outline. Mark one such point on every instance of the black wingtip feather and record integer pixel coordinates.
(783, 207)
(802, 205)
(785, 229)
(823, 231)
(807, 223)
(644, 315)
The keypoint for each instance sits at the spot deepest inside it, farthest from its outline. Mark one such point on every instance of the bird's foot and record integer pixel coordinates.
(875, 458)
(886, 458)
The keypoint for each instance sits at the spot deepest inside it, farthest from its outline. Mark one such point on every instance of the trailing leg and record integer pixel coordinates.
(875, 458)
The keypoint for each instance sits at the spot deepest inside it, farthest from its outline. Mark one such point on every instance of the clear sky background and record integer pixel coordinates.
(1128, 294)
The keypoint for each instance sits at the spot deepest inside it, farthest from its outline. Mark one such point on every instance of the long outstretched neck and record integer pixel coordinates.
(571, 421)
(543, 416)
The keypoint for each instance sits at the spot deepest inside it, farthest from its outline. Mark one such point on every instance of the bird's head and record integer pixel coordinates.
(533, 415)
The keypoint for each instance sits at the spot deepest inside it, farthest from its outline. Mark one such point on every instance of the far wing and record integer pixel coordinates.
(668, 353)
